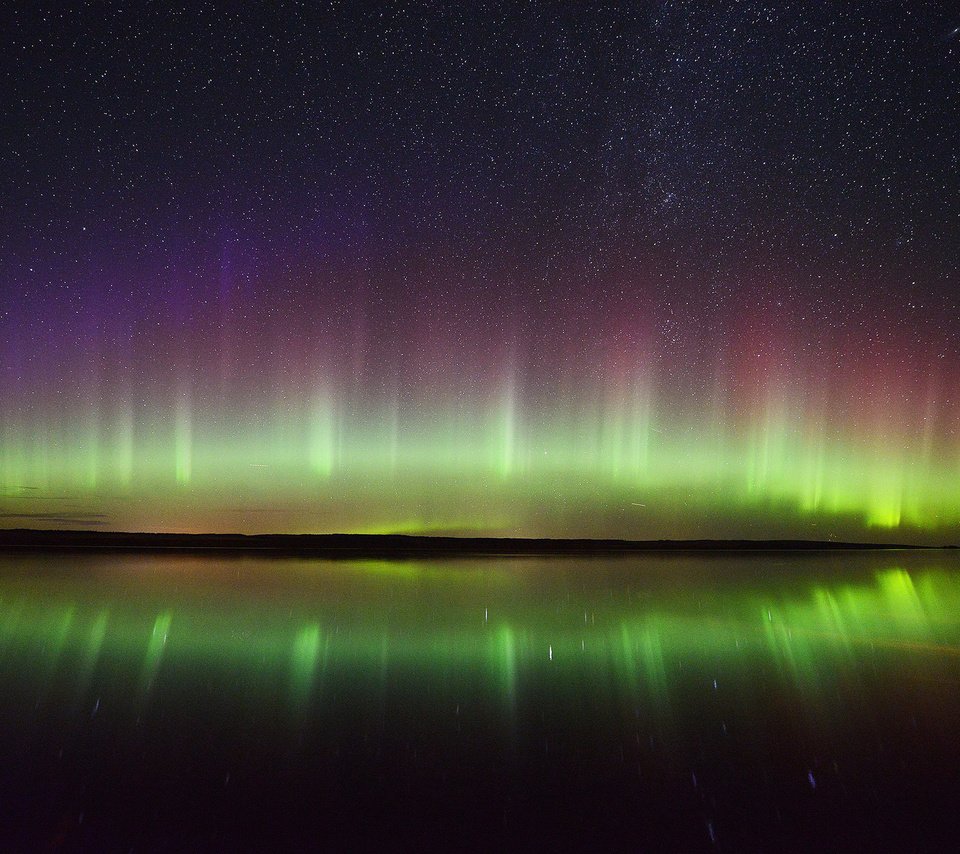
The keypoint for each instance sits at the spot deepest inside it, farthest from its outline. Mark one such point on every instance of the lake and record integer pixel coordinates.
(677, 702)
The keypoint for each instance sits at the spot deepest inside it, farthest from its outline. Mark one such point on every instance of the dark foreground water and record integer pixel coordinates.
(664, 703)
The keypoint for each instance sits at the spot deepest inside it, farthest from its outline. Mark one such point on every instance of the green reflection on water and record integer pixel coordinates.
(303, 664)
(636, 634)
(156, 645)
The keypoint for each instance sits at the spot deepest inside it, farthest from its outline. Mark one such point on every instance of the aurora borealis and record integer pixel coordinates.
(636, 270)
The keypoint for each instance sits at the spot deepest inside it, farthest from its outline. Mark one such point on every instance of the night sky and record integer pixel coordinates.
(640, 269)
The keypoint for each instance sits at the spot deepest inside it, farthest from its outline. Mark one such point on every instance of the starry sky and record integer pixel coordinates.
(641, 269)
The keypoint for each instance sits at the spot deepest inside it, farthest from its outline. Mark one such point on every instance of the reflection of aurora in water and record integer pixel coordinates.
(692, 697)
(504, 624)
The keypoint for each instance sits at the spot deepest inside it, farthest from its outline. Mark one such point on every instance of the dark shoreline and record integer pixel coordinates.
(399, 545)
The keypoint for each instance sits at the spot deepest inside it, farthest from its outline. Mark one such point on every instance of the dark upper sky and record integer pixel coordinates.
(824, 132)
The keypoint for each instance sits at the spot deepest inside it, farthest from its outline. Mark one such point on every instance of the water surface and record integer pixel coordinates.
(760, 702)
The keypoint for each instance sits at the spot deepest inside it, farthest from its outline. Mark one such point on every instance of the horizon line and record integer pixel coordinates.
(404, 545)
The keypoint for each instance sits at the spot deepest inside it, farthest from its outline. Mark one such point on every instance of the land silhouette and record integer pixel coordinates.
(397, 545)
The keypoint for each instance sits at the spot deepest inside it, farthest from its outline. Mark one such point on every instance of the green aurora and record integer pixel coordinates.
(618, 471)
